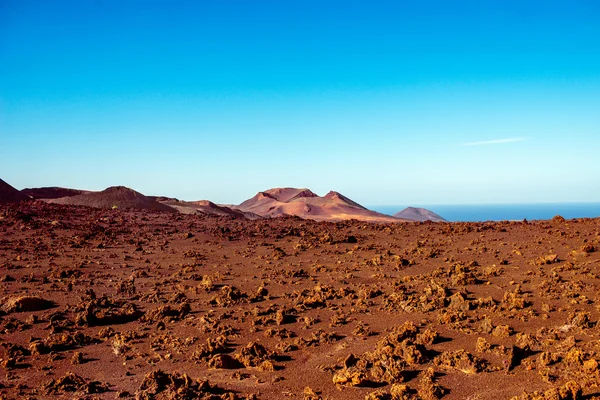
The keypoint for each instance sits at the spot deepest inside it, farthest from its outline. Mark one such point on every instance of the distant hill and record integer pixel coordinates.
(52, 192)
(306, 204)
(9, 194)
(419, 214)
(276, 202)
(205, 207)
(116, 196)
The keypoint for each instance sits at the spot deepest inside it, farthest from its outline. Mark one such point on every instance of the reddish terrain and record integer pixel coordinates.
(102, 303)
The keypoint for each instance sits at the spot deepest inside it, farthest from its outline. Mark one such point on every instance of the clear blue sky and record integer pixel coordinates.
(395, 102)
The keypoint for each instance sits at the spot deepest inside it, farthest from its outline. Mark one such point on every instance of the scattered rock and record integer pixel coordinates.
(310, 394)
(229, 296)
(548, 259)
(224, 361)
(159, 385)
(167, 313)
(61, 342)
(105, 311)
(77, 358)
(254, 354)
(25, 304)
(461, 360)
(588, 248)
(350, 377)
(429, 389)
(569, 391)
(71, 382)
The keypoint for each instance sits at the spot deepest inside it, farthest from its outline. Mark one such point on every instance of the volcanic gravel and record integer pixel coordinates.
(102, 303)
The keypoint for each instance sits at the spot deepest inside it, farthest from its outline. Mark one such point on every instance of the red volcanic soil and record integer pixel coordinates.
(119, 303)
(304, 203)
(51, 192)
(114, 197)
(9, 194)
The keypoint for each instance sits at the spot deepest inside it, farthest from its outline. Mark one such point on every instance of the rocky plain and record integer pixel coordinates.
(151, 304)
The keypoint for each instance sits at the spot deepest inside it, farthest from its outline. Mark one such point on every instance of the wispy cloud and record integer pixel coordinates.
(497, 141)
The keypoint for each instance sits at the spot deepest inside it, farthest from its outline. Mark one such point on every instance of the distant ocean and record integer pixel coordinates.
(504, 212)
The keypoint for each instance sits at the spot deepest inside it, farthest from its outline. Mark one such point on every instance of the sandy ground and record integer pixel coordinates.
(121, 304)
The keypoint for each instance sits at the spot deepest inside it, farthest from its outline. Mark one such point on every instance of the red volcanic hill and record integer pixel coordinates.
(9, 194)
(117, 196)
(306, 204)
(419, 214)
(52, 192)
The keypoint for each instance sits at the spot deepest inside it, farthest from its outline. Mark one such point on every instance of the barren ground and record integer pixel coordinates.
(113, 303)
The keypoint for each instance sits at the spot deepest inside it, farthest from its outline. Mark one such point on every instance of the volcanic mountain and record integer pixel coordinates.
(116, 196)
(270, 203)
(9, 194)
(52, 192)
(306, 204)
(419, 214)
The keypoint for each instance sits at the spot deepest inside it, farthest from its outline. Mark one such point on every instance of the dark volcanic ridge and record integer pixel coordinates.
(114, 197)
(9, 194)
(52, 192)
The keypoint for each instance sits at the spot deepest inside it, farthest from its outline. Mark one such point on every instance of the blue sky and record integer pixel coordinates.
(395, 102)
